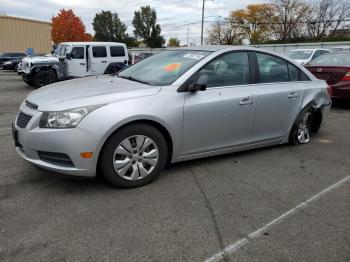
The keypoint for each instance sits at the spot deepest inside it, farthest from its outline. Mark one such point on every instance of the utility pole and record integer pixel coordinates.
(202, 22)
(187, 35)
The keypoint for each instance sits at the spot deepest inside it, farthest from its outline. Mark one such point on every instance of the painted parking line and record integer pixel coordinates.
(7, 128)
(232, 248)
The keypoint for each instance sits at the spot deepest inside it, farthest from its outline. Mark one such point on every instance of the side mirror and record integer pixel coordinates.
(52, 52)
(199, 85)
(61, 59)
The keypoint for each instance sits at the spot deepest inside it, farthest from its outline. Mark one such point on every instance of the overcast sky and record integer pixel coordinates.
(172, 14)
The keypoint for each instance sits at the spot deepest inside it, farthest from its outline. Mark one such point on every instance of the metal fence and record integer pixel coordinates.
(272, 47)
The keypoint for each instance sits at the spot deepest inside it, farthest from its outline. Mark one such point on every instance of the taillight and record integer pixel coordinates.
(346, 77)
(329, 89)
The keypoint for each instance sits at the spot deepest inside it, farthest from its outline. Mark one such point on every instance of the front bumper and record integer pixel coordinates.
(31, 140)
(8, 67)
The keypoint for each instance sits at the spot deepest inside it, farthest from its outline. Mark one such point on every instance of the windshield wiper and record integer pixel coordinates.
(135, 79)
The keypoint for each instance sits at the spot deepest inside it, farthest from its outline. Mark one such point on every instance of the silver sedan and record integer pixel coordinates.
(178, 105)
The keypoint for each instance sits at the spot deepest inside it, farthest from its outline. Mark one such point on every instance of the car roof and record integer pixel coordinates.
(92, 43)
(214, 48)
(308, 49)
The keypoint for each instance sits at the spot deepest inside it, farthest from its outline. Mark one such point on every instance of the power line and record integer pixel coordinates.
(189, 23)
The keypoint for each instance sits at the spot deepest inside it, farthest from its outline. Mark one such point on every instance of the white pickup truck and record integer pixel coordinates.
(74, 59)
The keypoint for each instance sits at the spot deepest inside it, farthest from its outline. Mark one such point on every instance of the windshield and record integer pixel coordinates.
(300, 54)
(61, 50)
(164, 68)
(341, 59)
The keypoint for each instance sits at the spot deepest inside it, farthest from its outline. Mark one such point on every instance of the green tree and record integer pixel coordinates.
(146, 27)
(109, 27)
(174, 42)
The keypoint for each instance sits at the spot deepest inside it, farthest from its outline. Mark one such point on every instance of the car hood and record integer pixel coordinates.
(41, 59)
(88, 91)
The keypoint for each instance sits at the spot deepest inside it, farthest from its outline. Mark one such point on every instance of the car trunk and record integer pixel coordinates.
(331, 74)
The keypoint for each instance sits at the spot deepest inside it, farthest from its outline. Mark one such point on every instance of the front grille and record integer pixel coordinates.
(56, 158)
(23, 119)
(31, 105)
(24, 65)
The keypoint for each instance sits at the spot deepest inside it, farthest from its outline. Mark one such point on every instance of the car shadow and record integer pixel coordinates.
(76, 185)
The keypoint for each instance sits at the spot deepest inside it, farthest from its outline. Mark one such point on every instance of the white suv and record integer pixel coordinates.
(75, 59)
(304, 56)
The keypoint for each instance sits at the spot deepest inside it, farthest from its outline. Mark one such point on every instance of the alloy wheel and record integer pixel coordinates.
(303, 133)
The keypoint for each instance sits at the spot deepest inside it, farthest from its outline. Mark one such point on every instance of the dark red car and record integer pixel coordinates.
(334, 68)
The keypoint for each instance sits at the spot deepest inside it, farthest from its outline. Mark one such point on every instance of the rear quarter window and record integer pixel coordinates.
(117, 51)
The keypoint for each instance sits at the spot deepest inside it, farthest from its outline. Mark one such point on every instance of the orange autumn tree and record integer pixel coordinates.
(255, 21)
(66, 26)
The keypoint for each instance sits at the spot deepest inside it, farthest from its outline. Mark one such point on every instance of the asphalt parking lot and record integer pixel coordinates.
(284, 203)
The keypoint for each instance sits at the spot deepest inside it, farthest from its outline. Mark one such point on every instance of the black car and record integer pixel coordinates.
(4, 57)
(11, 64)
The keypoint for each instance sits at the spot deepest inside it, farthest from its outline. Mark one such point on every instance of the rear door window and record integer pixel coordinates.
(272, 69)
(99, 51)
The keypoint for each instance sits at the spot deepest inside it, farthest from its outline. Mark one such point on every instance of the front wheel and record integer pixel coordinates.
(301, 131)
(134, 156)
(43, 78)
(28, 80)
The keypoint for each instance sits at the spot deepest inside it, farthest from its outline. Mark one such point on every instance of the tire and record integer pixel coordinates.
(43, 78)
(123, 159)
(301, 131)
(28, 81)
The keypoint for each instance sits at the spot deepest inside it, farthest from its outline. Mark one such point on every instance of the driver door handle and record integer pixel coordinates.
(103, 61)
(293, 95)
(246, 101)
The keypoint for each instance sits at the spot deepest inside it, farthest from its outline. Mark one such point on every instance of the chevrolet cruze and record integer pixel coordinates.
(178, 105)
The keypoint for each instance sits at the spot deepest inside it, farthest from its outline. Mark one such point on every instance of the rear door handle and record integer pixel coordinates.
(246, 101)
(103, 61)
(82, 63)
(293, 95)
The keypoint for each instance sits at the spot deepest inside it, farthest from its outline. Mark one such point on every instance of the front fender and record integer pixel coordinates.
(164, 108)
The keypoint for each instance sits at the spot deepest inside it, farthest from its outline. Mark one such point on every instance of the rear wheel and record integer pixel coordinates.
(134, 156)
(301, 131)
(44, 78)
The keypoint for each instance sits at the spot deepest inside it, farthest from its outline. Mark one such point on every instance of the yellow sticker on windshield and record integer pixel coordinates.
(172, 67)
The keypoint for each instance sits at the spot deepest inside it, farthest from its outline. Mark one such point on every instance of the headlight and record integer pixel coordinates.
(8, 63)
(65, 119)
